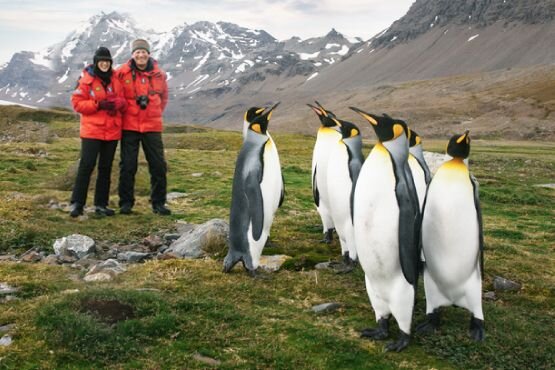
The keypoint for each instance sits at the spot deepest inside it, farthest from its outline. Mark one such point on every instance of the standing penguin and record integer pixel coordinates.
(452, 241)
(420, 171)
(386, 222)
(344, 165)
(326, 138)
(256, 194)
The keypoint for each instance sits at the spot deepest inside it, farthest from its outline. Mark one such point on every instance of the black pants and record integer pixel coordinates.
(154, 153)
(91, 149)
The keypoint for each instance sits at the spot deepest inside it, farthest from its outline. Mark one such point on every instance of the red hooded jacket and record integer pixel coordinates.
(150, 82)
(96, 123)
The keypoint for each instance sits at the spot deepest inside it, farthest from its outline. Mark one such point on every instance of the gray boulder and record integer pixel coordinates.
(272, 263)
(74, 245)
(502, 284)
(208, 238)
(132, 257)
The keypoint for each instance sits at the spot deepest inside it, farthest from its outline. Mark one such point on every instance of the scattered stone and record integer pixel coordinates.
(5, 341)
(490, 296)
(70, 291)
(206, 360)
(8, 257)
(174, 195)
(171, 237)
(322, 266)
(31, 257)
(184, 227)
(434, 160)
(5, 289)
(217, 173)
(197, 174)
(548, 186)
(326, 307)
(273, 263)
(104, 271)
(132, 257)
(6, 328)
(147, 290)
(51, 259)
(153, 242)
(67, 259)
(210, 237)
(75, 245)
(502, 284)
(168, 256)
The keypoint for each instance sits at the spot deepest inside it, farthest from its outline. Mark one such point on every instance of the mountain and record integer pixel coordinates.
(203, 60)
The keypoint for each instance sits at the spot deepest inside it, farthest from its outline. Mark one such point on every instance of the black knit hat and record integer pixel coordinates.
(102, 53)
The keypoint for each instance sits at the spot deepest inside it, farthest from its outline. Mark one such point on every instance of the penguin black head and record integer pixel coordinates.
(386, 127)
(257, 118)
(327, 118)
(459, 146)
(348, 129)
(414, 138)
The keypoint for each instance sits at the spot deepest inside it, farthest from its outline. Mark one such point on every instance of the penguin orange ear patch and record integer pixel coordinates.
(398, 130)
(354, 132)
(256, 128)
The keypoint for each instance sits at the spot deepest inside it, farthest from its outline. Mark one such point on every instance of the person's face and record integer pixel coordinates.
(104, 65)
(140, 56)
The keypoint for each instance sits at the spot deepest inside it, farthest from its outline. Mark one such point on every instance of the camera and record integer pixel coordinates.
(142, 101)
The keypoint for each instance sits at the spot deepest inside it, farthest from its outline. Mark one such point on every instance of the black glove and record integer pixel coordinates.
(107, 105)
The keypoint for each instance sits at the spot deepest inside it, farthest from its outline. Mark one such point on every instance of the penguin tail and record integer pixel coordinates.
(233, 257)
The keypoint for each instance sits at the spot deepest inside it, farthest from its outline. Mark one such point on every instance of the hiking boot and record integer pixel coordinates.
(104, 211)
(76, 210)
(126, 209)
(161, 209)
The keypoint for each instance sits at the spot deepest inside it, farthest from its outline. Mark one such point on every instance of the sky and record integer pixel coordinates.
(36, 24)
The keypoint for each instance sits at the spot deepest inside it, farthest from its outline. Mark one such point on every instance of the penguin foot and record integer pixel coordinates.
(328, 236)
(233, 258)
(401, 344)
(430, 325)
(379, 333)
(477, 329)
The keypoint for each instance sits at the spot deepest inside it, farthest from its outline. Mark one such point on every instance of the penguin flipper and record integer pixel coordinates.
(282, 196)
(409, 224)
(255, 201)
(476, 188)
(315, 192)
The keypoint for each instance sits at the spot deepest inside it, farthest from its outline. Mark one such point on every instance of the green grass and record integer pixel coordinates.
(259, 323)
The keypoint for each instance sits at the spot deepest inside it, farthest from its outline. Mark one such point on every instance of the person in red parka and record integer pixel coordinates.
(146, 91)
(98, 98)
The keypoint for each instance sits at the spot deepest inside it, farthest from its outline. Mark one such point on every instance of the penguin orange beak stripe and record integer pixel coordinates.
(369, 118)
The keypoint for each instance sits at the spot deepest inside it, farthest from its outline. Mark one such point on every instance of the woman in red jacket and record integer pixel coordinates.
(99, 100)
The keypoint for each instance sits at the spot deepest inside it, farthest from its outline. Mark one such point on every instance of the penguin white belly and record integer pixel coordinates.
(419, 179)
(326, 139)
(271, 187)
(340, 185)
(450, 234)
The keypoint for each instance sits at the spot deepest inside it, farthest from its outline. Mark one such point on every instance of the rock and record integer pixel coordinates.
(132, 257)
(548, 186)
(184, 227)
(210, 237)
(31, 257)
(502, 284)
(326, 307)
(273, 263)
(168, 256)
(171, 237)
(197, 174)
(104, 271)
(6, 328)
(490, 296)
(51, 259)
(5, 289)
(322, 266)
(174, 195)
(206, 360)
(434, 160)
(153, 242)
(76, 245)
(67, 259)
(8, 257)
(5, 341)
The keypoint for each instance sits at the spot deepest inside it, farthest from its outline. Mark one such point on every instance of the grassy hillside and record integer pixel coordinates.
(186, 314)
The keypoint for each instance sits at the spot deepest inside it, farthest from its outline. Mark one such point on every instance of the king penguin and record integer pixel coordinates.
(420, 171)
(326, 138)
(386, 225)
(257, 192)
(344, 165)
(452, 241)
